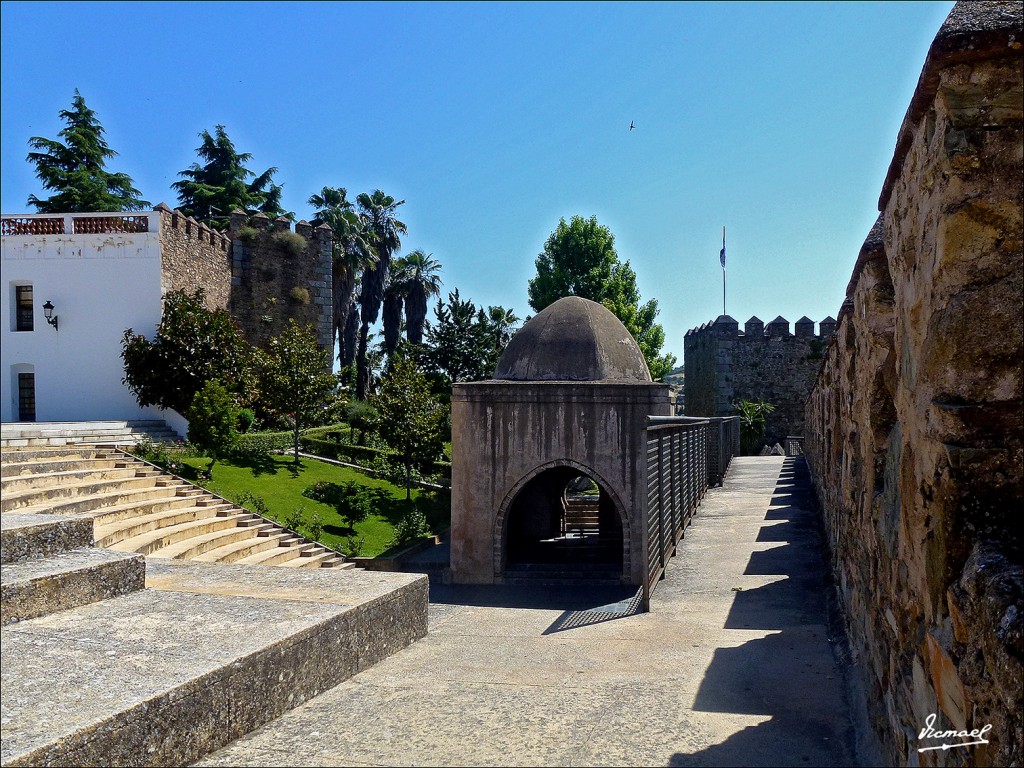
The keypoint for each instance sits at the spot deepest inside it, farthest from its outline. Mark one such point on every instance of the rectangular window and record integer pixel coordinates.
(23, 307)
(26, 397)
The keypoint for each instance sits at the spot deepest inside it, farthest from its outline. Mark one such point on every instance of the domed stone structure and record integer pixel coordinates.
(573, 339)
(548, 457)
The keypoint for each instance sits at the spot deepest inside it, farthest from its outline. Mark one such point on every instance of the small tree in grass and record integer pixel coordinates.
(212, 421)
(296, 378)
(411, 419)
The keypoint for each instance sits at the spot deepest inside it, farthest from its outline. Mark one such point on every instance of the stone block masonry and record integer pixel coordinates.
(724, 365)
(193, 256)
(277, 275)
(915, 434)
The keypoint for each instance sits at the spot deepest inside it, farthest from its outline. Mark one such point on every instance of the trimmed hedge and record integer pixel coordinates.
(359, 454)
(264, 442)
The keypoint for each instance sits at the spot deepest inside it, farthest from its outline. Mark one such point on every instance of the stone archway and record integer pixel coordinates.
(561, 517)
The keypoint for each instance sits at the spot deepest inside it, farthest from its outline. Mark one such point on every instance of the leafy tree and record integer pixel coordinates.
(352, 254)
(211, 421)
(465, 343)
(579, 259)
(191, 346)
(411, 420)
(75, 168)
(221, 184)
(422, 282)
(383, 231)
(361, 416)
(753, 418)
(295, 375)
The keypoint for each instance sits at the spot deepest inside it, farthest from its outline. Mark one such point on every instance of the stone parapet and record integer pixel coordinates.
(914, 429)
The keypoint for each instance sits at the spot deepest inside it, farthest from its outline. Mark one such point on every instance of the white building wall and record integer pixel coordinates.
(99, 286)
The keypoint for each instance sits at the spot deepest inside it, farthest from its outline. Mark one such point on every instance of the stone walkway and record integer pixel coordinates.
(734, 665)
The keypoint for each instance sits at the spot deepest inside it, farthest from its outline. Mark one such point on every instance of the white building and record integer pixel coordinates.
(101, 273)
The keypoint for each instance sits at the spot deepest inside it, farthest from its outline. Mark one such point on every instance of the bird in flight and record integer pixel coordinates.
(631, 126)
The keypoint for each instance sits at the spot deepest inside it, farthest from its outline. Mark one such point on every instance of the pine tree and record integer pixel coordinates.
(74, 169)
(213, 190)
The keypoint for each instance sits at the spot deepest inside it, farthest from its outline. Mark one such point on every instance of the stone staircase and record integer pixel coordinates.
(58, 433)
(110, 660)
(135, 507)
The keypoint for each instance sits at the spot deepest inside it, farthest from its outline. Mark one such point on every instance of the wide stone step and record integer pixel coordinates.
(43, 481)
(115, 531)
(25, 455)
(42, 586)
(164, 676)
(102, 501)
(23, 537)
(234, 551)
(71, 491)
(316, 560)
(151, 541)
(177, 498)
(194, 546)
(288, 550)
(44, 466)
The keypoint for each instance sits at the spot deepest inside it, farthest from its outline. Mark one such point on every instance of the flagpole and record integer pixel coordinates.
(723, 269)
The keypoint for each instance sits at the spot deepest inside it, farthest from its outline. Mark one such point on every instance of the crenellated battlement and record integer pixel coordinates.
(773, 362)
(725, 326)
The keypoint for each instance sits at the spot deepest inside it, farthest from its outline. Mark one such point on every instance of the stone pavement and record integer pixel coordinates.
(734, 665)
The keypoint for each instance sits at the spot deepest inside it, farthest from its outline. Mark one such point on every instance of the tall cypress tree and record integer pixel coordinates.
(74, 169)
(212, 190)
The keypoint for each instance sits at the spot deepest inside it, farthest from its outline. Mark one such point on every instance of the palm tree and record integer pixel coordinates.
(391, 310)
(352, 254)
(422, 282)
(382, 232)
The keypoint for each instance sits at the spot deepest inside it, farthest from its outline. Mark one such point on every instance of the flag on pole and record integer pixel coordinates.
(721, 256)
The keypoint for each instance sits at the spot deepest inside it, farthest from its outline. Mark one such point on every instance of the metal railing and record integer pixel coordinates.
(723, 445)
(677, 478)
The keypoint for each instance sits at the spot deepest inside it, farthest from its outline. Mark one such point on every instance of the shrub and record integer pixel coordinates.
(262, 443)
(361, 416)
(253, 503)
(300, 295)
(248, 235)
(212, 419)
(412, 527)
(246, 418)
(149, 450)
(291, 243)
(315, 527)
(353, 547)
(293, 519)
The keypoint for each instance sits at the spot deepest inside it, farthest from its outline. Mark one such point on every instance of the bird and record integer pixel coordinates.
(631, 126)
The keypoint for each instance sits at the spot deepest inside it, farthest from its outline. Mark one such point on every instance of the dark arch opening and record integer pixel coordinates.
(563, 523)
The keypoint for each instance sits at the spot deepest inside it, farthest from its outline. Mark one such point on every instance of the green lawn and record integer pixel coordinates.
(280, 484)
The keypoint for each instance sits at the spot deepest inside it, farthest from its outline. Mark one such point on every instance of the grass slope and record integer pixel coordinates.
(280, 484)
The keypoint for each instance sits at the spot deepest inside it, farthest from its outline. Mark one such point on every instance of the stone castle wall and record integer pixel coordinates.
(271, 284)
(915, 434)
(724, 365)
(193, 256)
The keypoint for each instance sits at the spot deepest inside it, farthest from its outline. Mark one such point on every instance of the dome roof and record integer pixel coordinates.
(573, 339)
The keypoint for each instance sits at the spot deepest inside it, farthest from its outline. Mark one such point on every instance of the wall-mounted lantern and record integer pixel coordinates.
(48, 314)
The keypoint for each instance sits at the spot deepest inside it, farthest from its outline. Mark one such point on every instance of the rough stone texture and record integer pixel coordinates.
(164, 676)
(67, 580)
(194, 256)
(724, 365)
(915, 432)
(40, 535)
(270, 285)
(573, 339)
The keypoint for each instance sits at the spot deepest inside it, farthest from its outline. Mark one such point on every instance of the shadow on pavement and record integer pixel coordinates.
(790, 676)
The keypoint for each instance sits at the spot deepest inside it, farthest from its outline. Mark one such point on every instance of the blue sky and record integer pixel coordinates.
(494, 120)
